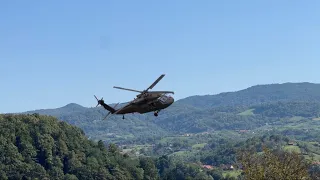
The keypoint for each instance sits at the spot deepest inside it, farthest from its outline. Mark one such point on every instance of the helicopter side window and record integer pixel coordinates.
(163, 99)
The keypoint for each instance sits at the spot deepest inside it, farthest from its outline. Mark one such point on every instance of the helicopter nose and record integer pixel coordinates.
(171, 100)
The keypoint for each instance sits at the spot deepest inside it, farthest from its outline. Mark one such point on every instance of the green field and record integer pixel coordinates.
(316, 157)
(292, 148)
(198, 146)
(295, 118)
(180, 153)
(247, 112)
(168, 139)
(232, 173)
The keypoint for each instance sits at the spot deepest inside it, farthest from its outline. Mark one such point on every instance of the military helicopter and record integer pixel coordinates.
(146, 101)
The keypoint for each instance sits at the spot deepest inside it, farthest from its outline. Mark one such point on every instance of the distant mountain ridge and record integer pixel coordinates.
(258, 94)
(245, 108)
(71, 107)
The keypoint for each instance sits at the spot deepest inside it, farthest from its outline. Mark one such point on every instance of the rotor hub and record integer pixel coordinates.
(101, 101)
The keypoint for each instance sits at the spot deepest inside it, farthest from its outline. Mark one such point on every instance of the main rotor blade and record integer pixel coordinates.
(161, 92)
(156, 82)
(127, 89)
(114, 107)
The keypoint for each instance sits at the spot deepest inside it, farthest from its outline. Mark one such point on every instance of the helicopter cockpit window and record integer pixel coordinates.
(163, 98)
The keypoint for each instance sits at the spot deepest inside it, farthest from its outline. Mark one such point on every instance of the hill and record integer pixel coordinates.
(186, 131)
(259, 94)
(134, 128)
(252, 108)
(244, 109)
(40, 147)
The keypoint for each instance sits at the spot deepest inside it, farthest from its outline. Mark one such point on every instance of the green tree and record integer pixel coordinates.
(273, 165)
(150, 170)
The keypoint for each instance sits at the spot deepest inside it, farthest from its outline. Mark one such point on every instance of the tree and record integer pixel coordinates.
(314, 172)
(150, 171)
(273, 165)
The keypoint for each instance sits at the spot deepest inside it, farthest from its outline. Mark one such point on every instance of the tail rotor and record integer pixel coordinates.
(101, 101)
(110, 109)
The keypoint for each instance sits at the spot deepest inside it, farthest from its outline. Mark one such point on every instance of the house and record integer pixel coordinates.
(316, 163)
(227, 167)
(291, 143)
(207, 167)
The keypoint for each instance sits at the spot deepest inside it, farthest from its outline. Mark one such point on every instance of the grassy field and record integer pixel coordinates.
(247, 112)
(314, 152)
(135, 148)
(296, 118)
(314, 143)
(232, 173)
(198, 146)
(292, 148)
(316, 157)
(168, 139)
(179, 153)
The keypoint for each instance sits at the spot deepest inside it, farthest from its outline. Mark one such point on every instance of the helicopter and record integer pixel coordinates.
(146, 101)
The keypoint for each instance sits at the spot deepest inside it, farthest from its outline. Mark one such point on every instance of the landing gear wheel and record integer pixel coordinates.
(156, 113)
(123, 117)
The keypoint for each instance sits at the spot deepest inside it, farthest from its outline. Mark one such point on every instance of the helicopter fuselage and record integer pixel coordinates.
(146, 101)
(144, 98)
(148, 105)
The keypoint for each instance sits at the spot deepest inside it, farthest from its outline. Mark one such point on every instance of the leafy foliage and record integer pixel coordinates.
(135, 128)
(39, 147)
(274, 165)
(217, 127)
(288, 109)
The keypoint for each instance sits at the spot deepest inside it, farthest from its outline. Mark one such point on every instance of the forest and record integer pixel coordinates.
(38, 147)
(274, 106)
(199, 137)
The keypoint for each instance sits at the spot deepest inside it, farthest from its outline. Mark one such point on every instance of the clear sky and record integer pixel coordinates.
(57, 52)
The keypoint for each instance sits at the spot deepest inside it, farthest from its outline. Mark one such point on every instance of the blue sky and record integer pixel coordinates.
(57, 52)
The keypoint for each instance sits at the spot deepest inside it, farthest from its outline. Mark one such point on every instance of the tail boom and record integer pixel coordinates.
(109, 108)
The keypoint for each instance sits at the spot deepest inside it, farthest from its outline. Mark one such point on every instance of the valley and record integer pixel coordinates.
(209, 130)
(261, 106)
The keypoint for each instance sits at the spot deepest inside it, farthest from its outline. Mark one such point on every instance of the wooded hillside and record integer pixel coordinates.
(39, 147)
(250, 108)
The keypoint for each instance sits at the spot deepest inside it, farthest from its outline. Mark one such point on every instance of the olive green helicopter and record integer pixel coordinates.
(146, 101)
